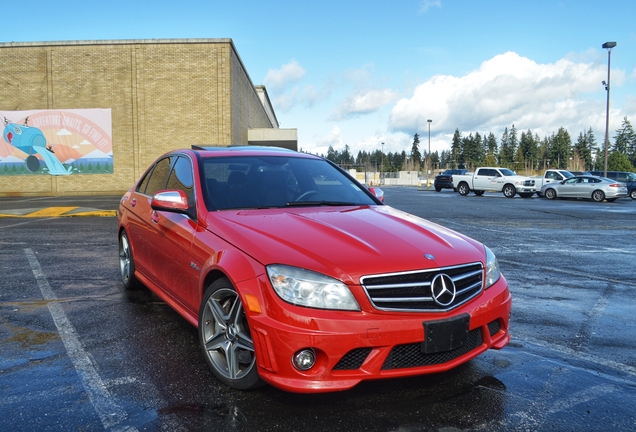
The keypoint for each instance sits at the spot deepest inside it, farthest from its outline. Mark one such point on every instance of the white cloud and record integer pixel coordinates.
(63, 132)
(425, 5)
(508, 89)
(287, 75)
(363, 102)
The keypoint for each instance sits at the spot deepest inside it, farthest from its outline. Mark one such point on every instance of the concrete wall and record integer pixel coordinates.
(164, 95)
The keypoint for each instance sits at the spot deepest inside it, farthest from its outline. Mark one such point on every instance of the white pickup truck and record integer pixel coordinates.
(551, 176)
(494, 179)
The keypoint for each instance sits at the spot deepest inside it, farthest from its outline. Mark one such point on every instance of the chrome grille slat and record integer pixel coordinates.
(478, 284)
(413, 284)
(402, 299)
(411, 291)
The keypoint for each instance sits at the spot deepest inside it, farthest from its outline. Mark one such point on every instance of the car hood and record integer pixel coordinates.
(344, 242)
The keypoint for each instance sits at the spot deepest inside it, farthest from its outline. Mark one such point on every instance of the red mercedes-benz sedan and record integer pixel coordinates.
(298, 276)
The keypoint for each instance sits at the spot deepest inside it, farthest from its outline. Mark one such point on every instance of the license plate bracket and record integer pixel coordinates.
(445, 335)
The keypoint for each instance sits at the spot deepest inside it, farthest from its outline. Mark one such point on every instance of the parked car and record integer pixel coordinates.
(629, 178)
(296, 275)
(597, 189)
(445, 179)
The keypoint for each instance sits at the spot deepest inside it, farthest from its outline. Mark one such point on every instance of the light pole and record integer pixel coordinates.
(428, 155)
(608, 46)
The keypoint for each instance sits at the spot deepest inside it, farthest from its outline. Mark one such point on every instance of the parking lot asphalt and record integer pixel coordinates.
(78, 352)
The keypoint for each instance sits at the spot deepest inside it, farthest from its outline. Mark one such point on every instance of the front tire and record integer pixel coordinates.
(509, 191)
(225, 337)
(463, 189)
(550, 194)
(598, 196)
(126, 263)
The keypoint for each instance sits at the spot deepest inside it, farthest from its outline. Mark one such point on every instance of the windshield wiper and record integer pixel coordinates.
(320, 203)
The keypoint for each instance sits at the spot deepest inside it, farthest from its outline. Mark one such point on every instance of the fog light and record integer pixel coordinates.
(304, 359)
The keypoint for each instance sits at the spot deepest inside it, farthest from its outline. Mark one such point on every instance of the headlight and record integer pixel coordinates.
(492, 268)
(306, 288)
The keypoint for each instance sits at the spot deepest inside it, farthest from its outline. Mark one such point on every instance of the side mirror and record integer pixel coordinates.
(170, 200)
(377, 192)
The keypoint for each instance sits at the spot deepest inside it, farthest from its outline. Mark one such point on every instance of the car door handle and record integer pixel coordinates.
(133, 202)
(154, 217)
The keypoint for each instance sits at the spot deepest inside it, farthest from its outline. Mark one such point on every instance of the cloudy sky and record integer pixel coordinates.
(362, 73)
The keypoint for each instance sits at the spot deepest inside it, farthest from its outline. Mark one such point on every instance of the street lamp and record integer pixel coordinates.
(428, 156)
(608, 46)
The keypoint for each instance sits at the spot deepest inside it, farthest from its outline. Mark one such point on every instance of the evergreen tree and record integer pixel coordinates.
(332, 154)
(594, 151)
(617, 161)
(457, 157)
(528, 150)
(625, 141)
(560, 149)
(490, 146)
(514, 143)
(582, 150)
(416, 156)
(506, 155)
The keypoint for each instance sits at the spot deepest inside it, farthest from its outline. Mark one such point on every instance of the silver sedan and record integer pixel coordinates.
(589, 187)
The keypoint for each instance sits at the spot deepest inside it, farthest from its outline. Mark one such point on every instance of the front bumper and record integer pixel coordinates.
(354, 346)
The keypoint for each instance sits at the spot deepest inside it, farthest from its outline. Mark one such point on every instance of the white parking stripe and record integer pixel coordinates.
(108, 411)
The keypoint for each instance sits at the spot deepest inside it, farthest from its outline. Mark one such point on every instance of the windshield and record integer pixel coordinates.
(277, 181)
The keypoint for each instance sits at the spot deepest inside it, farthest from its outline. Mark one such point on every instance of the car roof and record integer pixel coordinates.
(245, 150)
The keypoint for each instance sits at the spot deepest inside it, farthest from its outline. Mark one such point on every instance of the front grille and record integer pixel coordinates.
(408, 356)
(353, 359)
(412, 291)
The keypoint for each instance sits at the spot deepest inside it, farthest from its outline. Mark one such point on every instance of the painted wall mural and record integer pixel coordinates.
(56, 142)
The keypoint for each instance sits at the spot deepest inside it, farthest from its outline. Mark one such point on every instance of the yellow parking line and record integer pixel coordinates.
(61, 212)
(98, 213)
(50, 212)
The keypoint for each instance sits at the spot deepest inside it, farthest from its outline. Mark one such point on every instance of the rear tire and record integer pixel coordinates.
(632, 194)
(225, 338)
(598, 196)
(463, 188)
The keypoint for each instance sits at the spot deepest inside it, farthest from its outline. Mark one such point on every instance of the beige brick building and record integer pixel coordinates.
(163, 95)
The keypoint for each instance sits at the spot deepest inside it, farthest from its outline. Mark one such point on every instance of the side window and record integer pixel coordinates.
(158, 176)
(144, 183)
(181, 178)
(621, 177)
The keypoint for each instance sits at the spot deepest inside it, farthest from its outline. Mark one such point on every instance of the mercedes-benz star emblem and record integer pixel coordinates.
(443, 289)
